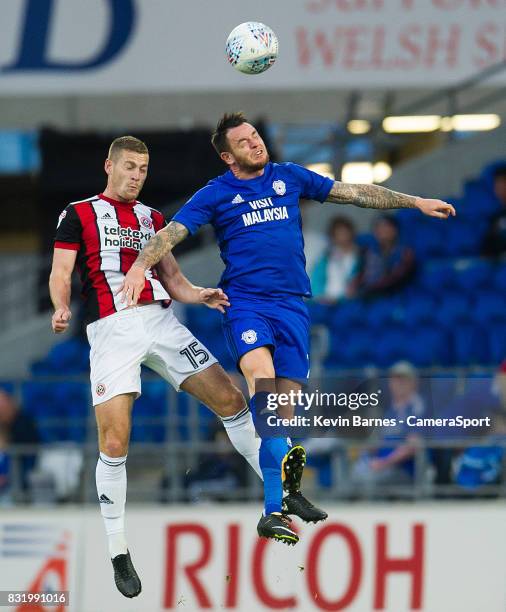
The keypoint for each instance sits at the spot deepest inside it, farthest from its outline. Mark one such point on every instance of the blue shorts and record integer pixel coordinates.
(282, 325)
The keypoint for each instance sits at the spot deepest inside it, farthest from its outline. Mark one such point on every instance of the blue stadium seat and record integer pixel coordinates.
(489, 308)
(428, 240)
(149, 422)
(496, 344)
(41, 400)
(419, 308)
(472, 274)
(469, 345)
(478, 196)
(74, 406)
(389, 346)
(500, 279)
(382, 312)
(462, 238)
(355, 350)
(454, 309)
(436, 276)
(347, 314)
(427, 346)
(68, 357)
(320, 314)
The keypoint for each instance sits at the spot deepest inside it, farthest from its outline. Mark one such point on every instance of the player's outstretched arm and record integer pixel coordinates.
(60, 288)
(156, 248)
(181, 289)
(374, 196)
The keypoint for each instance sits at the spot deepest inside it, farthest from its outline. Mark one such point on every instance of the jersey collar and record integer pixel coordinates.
(117, 202)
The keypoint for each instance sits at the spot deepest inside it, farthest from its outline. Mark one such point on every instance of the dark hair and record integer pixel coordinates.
(340, 221)
(500, 172)
(390, 219)
(127, 143)
(227, 122)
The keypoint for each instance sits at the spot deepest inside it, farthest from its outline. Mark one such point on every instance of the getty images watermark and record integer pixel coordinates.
(397, 405)
(353, 401)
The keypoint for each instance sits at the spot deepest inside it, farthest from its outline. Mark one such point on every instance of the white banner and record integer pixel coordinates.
(437, 558)
(71, 46)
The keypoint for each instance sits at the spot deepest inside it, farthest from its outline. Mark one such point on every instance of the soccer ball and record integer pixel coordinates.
(252, 47)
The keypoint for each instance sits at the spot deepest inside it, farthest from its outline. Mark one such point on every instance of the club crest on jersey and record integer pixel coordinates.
(146, 221)
(61, 217)
(100, 389)
(249, 336)
(279, 187)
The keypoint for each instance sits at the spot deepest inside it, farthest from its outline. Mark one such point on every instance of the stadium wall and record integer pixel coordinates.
(439, 558)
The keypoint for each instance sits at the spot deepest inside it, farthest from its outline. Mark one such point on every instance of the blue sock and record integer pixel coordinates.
(272, 453)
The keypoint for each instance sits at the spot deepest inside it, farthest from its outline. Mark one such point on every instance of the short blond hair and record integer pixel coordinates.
(126, 143)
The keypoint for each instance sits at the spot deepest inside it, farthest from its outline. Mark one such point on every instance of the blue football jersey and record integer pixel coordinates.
(259, 228)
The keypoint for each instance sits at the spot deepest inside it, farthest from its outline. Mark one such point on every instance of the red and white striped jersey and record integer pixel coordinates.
(108, 236)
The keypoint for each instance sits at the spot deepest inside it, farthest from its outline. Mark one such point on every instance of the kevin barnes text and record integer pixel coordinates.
(358, 421)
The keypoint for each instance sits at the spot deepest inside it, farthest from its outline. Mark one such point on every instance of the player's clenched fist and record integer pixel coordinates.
(60, 320)
(132, 285)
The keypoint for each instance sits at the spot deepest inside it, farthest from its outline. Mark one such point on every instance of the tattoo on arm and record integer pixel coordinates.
(369, 196)
(160, 244)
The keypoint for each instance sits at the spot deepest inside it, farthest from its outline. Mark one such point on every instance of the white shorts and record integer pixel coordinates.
(149, 335)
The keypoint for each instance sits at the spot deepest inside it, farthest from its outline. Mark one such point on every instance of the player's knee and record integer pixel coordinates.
(232, 402)
(114, 444)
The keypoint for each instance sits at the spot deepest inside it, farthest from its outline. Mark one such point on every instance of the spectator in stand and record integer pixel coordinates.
(494, 243)
(389, 464)
(18, 428)
(388, 264)
(334, 276)
(479, 466)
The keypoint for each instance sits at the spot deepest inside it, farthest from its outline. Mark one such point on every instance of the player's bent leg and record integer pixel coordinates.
(114, 423)
(214, 388)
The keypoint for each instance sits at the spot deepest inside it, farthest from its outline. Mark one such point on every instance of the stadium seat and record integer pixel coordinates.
(436, 276)
(469, 345)
(68, 357)
(461, 238)
(320, 314)
(389, 346)
(496, 344)
(428, 240)
(74, 403)
(355, 351)
(472, 274)
(453, 309)
(478, 196)
(382, 312)
(499, 279)
(427, 346)
(149, 423)
(347, 314)
(489, 308)
(419, 308)
(41, 400)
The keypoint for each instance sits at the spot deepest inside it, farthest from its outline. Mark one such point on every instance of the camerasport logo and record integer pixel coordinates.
(146, 222)
(100, 389)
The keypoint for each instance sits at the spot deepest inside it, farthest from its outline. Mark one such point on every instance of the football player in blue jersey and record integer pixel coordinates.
(254, 208)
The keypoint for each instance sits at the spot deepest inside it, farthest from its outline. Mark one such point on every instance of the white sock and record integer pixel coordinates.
(111, 482)
(242, 434)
